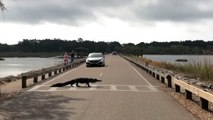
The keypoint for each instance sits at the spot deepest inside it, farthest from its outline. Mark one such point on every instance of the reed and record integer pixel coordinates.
(201, 71)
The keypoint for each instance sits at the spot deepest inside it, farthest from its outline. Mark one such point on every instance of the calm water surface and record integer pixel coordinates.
(15, 66)
(193, 59)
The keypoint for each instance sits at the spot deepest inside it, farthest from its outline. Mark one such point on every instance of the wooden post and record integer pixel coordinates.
(188, 94)
(35, 79)
(169, 80)
(55, 72)
(153, 74)
(50, 74)
(177, 88)
(43, 77)
(204, 103)
(24, 81)
(162, 79)
(147, 70)
(158, 77)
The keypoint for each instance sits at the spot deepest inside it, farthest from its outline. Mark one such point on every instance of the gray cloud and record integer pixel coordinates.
(176, 10)
(75, 12)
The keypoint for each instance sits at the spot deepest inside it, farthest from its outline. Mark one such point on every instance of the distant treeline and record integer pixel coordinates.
(84, 47)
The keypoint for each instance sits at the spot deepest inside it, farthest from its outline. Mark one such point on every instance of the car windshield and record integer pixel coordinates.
(95, 55)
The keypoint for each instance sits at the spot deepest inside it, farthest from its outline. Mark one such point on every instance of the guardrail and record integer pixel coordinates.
(172, 82)
(50, 73)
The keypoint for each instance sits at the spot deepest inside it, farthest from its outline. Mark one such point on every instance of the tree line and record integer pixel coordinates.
(86, 46)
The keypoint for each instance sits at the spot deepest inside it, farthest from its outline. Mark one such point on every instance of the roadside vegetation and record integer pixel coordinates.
(201, 71)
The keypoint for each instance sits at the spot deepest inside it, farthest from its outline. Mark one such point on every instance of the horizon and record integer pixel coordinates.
(110, 41)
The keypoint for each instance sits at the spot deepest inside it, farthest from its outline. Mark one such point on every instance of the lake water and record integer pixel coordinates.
(193, 59)
(15, 66)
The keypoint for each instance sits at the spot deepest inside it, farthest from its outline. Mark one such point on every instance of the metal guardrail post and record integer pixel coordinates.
(24, 81)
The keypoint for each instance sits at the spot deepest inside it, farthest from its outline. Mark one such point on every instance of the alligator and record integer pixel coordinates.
(77, 81)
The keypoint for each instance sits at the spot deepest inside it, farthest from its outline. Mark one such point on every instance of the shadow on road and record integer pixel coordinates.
(42, 106)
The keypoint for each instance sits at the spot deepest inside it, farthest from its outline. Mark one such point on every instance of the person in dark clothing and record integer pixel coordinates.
(72, 57)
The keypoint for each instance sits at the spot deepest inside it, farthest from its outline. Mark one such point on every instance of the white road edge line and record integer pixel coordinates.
(52, 89)
(113, 87)
(36, 87)
(150, 85)
(133, 88)
(101, 74)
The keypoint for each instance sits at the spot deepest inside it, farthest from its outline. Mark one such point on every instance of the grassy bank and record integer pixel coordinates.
(195, 70)
(29, 54)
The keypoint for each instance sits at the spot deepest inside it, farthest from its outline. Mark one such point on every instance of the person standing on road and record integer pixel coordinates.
(72, 57)
(66, 58)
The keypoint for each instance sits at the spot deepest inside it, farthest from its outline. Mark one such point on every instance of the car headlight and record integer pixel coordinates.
(102, 60)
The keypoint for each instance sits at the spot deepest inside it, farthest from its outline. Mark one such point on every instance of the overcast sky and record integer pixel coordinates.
(124, 21)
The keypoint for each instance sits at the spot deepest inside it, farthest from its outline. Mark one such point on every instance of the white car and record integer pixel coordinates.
(95, 59)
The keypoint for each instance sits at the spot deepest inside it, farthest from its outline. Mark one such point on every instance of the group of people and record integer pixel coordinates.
(67, 57)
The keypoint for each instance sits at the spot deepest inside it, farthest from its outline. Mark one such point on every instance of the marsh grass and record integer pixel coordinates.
(202, 71)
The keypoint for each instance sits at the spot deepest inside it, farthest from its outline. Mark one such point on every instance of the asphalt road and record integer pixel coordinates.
(125, 93)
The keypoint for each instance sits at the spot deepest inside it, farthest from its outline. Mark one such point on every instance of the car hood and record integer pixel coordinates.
(96, 58)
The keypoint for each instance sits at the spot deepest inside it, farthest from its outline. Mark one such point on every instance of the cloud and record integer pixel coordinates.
(75, 12)
(175, 10)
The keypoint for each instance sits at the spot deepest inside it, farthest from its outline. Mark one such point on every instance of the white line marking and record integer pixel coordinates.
(152, 88)
(95, 87)
(113, 87)
(131, 87)
(140, 75)
(92, 88)
(101, 74)
(34, 88)
(52, 89)
(73, 88)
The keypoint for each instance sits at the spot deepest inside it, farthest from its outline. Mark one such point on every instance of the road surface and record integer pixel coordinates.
(125, 93)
